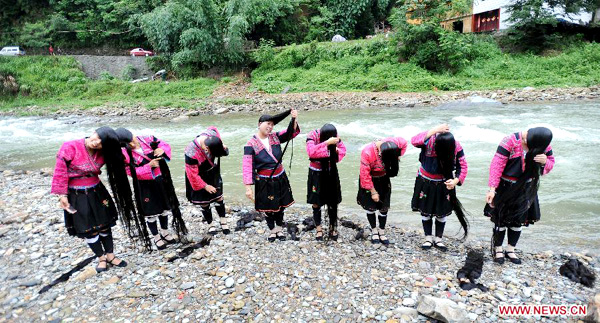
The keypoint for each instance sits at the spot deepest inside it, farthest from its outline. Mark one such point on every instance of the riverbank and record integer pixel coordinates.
(239, 97)
(242, 277)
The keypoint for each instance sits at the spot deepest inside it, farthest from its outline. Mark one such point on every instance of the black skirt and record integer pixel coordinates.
(96, 211)
(271, 195)
(153, 197)
(321, 191)
(525, 218)
(383, 186)
(431, 198)
(210, 177)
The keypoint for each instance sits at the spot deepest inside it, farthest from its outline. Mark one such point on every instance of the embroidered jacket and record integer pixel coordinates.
(75, 167)
(257, 158)
(429, 163)
(509, 161)
(318, 150)
(371, 164)
(143, 170)
(197, 158)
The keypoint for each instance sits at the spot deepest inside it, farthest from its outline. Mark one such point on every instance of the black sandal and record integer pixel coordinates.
(212, 231)
(319, 235)
(281, 236)
(384, 240)
(427, 245)
(225, 229)
(333, 236)
(499, 260)
(515, 260)
(375, 238)
(168, 241)
(163, 246)
(99, 269)
(441, 246)
(122, 264)
(272, 237)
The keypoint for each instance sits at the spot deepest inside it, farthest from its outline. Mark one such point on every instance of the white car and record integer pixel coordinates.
(12, 51)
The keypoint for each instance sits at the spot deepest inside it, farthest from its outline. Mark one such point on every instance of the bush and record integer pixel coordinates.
(128, 73)
(105, 76)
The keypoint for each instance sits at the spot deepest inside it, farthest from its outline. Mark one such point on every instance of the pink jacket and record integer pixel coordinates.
(75, 167)
(318, 150)
(196, 156)
(371, 163)
(429, 162)
(143, 170)
(509, 160)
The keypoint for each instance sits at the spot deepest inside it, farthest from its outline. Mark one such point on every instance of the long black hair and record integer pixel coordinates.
(445, 150)
(389, 155)
(117, 178)
(516, 201)
(330, 178)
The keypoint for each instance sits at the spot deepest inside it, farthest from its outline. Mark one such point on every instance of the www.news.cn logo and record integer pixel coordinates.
(542, 310)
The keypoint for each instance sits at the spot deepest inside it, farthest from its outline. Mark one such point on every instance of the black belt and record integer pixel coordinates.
(83, 190)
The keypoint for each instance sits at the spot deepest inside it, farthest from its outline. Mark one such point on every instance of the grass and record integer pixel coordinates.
(373, 65)
(58, 82)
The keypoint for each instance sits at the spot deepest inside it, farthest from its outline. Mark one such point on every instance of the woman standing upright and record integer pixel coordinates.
(443, 167)
(203, 182)
(89, 210)
(325, 150)
(379, 161)
(145, 159)
(262, 167)
(512, 200)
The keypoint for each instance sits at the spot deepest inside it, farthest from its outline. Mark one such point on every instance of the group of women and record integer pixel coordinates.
(90, 212)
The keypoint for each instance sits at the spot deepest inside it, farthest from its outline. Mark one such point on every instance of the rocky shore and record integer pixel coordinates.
(240, 98)
(242, 277)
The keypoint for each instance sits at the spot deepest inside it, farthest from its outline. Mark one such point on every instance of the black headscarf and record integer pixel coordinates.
(274, 118)
(389, 155)
(445, 151)
(117, 178)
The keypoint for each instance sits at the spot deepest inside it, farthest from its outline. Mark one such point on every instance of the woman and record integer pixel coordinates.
(89, 211)
(262, 167)
(325, 150)
(512, 200)
(145, 159)
(203, 182)
(443, 167)
(379, 161)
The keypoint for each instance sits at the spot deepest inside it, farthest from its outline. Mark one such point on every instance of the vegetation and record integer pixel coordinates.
(59, 82)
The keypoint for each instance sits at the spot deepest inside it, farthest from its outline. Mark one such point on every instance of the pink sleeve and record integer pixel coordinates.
(419, 140)
(191, 172)
(549, 161)
(166, 147)
(341, 151)
(316, 150)
(60, 179)
(143, 173)
(462, 163)
(248, 165)
(402, 144)
(499, 161)
(366, 182)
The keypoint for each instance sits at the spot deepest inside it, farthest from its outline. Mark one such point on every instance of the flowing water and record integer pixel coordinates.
(569, 195)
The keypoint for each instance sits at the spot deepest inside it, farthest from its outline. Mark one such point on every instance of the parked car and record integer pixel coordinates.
(12, 51)
(141, 52)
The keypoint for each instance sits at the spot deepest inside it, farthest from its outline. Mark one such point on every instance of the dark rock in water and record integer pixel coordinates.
(577, 272)
(309, 224)
(292, 229)
(471, 271)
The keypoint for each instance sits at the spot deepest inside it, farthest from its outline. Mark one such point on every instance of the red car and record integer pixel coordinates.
(141, 52)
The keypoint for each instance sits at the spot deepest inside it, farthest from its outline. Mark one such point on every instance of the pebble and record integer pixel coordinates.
(229, 282)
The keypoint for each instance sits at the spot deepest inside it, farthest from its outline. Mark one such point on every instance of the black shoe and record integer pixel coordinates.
(375, 238)
(163, 246)
(98, 269)
(499, 260)
(333, 237)
(272, 237)
(384, 240)
(515, 260)
(427, 245)
(319, 236)
(122, 264)
(281, 236)
(212, 231)
(441, 246)
(166, 240)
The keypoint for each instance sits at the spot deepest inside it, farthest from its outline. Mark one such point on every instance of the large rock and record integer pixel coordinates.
(441, 309)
